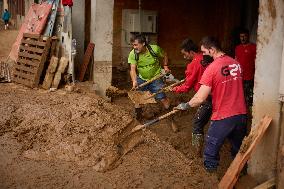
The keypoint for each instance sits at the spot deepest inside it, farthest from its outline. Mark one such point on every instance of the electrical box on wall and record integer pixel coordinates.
(135, 21)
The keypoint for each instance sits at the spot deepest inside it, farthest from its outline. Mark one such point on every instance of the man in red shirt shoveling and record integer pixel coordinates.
(223, 80)
(195, 68)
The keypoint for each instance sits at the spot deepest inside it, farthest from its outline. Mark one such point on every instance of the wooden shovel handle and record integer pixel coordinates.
(150, 81)
(151, 122)
(163, 89)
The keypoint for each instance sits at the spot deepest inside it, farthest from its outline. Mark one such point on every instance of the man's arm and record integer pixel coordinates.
(165, 62)
(191, 76)
(133, 75)
(200, 96)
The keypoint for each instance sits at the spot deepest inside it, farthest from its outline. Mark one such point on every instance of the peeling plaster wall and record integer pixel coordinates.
(102, 36)
(268, 65)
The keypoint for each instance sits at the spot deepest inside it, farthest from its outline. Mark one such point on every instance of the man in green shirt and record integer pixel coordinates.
(145, 59)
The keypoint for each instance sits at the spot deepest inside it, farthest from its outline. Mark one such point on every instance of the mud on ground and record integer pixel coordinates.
(68, 140)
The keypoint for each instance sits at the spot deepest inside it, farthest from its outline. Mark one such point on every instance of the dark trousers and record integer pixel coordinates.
(202, 117)
(248, 91)
(234, 128)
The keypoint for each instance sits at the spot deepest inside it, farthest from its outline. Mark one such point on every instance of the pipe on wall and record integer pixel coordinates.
(281, 87)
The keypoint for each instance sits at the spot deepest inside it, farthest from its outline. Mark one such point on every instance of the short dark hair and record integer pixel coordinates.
(209, 42)
(140, 38)
(188, 45)
(6, 10)
(244, 30)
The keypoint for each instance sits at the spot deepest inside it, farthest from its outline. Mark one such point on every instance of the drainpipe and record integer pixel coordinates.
(281, 87)
(280, 164)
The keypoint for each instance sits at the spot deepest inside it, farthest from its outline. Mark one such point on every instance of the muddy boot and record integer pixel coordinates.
(197, 143)
(138, 114)
(174, 125)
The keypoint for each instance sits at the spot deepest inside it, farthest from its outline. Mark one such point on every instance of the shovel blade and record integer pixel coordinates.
(141, 97)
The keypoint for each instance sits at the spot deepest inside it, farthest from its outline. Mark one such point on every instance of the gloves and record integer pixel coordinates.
(182, 106)
(168, 77)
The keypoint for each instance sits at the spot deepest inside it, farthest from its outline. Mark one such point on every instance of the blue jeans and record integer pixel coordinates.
(234, 128)
(153, 87)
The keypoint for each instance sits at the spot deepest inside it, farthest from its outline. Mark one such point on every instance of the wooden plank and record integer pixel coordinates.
(25, 68)
(54, 41)
(56, 80)
(43, 60)
(28, 55)
(50, 73)
(231, 176)
(266, 185)
(32, 49)
(34, 63)
(86, 60)
(63, 63)
(48, 80)
(53, 65)
(38, 74)
(30, 35)
(33, 42)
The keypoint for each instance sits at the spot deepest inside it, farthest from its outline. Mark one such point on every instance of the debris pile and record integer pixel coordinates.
(44, 51)
(86, 131)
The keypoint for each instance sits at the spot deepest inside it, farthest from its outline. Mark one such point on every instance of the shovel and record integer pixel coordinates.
(143, 97)
(149, 81)
(139, 127)
(165, 89)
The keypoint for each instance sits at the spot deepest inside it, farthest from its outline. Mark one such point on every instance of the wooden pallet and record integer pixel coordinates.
(32, 55)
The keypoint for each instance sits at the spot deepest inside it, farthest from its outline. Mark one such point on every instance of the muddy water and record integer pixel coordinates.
(63, 139)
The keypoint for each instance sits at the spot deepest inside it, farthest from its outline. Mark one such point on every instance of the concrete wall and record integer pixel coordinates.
(268, 65)
(5, 4)
(102, 36)
(78, 30)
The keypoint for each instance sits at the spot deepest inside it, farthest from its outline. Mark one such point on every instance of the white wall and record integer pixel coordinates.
(102, 36)
(268, 63)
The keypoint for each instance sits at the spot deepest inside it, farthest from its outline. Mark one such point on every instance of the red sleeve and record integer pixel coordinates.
(191, 77)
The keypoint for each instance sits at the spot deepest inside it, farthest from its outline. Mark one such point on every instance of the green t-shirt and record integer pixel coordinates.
(148, 66)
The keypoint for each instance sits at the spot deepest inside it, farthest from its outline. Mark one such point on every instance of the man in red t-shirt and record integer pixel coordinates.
(245, 54)
(195, 68)
(223, 79)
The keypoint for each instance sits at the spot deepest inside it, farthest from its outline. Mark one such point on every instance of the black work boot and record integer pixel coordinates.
(138, 113)
(197, 143)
